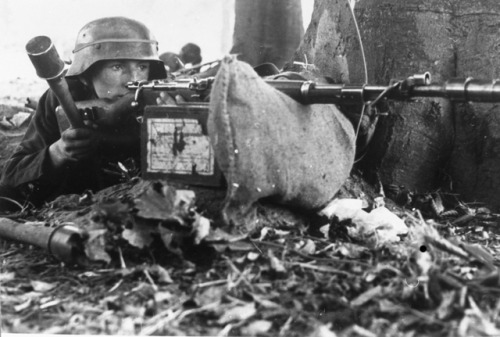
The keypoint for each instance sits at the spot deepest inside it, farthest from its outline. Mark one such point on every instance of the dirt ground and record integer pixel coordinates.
(295, 275)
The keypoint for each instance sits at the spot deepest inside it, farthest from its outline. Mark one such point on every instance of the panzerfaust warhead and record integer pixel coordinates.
(310, 92)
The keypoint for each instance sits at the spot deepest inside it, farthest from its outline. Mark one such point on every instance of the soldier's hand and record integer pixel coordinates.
(74, 145)
(167, 99)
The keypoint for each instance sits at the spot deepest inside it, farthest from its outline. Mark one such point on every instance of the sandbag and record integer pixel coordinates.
(269, 146)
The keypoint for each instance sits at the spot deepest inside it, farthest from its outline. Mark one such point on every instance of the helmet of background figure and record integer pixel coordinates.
(171, 60)
(190, 53)
(113, 38)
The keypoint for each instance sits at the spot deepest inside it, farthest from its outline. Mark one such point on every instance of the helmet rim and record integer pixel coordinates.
(113, 38)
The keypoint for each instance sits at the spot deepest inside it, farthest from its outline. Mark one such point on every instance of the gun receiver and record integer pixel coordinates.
(310, 92)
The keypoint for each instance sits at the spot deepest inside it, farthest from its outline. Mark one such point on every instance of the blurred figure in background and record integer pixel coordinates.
(188, 57)
(172, 61)
(190, 54)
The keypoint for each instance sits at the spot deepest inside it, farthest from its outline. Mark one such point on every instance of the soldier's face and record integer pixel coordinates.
(110, 77)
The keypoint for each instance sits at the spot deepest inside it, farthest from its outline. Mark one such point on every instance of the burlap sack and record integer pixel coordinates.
(268, 145)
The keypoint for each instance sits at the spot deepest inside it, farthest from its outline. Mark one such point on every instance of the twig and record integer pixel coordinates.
(224, 332)
(14, 202)
(310, 257)
(170, 316)
(321, 268)
(284, 329)
(188, 312)
(209, 284)
(115, 286)
(150, 279)
(241, 277)
(122, 261)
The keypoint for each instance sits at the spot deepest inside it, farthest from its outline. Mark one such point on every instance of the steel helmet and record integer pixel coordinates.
(112, 38)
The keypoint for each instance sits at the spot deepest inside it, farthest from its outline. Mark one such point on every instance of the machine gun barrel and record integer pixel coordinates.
(310, 92)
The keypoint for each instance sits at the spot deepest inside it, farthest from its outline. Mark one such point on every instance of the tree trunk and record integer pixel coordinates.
(476, 155)
(400, 38)
(425, 144)
(411, 147)
(267, 30)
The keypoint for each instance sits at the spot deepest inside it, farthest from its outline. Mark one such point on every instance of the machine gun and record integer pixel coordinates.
(160, 122)
(310, 92)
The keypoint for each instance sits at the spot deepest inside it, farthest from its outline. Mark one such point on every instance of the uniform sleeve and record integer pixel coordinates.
(30, 162)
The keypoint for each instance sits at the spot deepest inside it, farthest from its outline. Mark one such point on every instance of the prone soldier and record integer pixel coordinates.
(51, 161)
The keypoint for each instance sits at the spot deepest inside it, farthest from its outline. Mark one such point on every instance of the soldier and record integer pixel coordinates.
(109, 52)
(172, 61)
(190, 54)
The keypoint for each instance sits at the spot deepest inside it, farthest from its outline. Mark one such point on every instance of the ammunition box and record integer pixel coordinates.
(175, 145)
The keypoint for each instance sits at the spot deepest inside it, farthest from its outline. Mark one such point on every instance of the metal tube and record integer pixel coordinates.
(50, 67)
(65, 242)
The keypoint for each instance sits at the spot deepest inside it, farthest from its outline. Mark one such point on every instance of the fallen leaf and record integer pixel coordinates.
(163, 276)
(184, 200)
(40, 286)
(210, 295)
(220, 236)
(445, 309)
(51, 303)
(342, 208)
(127, 327)
(307, 247)
(162, 296)
(367, 296)
(5, 277)
(157, 202)
(387, 225)
(201, 229)
(322, 331)
(95, 246)
(140, 235)
(351, 250)
(237, 314)
(479, 253)
(386, 306)
(270, 233)
(276, 265)
(256, 328)
(252, 256)
(265, 303)
(22, 306)
(325, 229)
(164, 202)
(172, 240)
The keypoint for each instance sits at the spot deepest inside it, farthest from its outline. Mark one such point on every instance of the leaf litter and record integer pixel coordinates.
(157, 266)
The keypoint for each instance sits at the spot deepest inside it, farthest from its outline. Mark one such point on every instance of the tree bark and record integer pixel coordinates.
(475, 158)
(267, 30)
(400, 38)
(426, 144)
(411, 146)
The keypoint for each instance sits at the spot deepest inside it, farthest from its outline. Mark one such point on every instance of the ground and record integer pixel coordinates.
(295, 275)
